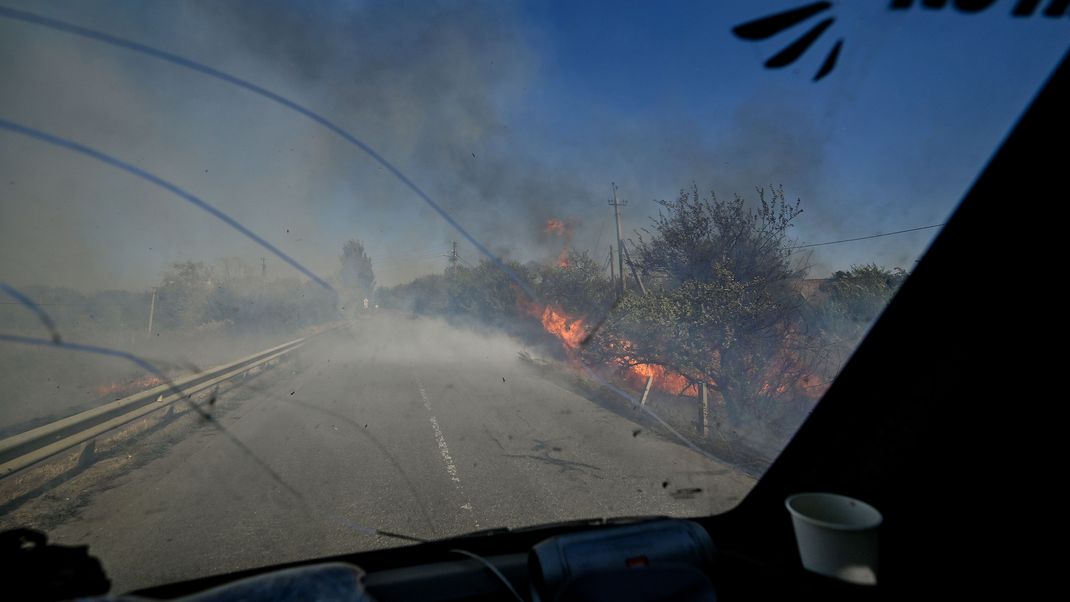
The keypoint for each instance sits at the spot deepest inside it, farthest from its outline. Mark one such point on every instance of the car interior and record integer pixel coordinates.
(921, 423)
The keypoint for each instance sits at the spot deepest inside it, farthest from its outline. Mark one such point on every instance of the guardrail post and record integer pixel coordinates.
(88, 455)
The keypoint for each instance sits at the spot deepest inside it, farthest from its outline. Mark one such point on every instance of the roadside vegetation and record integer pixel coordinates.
(728, 304)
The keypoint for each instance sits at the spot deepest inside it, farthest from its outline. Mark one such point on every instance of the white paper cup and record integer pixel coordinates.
(837, 535)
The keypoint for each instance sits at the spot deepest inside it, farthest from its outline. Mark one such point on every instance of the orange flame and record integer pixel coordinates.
(556, 227)
(573, 331)
(664, 379)
(570, 330)
(766, 387)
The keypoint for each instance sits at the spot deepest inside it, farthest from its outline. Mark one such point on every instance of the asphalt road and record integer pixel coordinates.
(405, 426)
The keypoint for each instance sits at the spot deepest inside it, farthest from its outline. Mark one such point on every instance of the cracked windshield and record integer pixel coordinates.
(384, 272)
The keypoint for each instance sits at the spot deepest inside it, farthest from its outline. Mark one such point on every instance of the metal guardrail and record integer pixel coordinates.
(29, 447)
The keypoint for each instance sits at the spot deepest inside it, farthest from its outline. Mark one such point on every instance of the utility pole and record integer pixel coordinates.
(152, 311)
(620, 235)
(263, 268)
(453, 255)
(612, 273)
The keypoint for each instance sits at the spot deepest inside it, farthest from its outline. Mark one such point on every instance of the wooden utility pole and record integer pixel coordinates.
(620, 239)
(612, 270)
(152, 311)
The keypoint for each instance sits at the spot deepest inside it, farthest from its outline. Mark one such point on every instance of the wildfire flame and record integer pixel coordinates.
(780, 390)
(559, 228)
(571, 331)
(555, 226)
(664, 379)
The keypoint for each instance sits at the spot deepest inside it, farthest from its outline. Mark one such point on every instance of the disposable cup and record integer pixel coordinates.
(837, 535)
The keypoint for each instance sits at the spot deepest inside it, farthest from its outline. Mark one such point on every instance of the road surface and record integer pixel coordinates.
(406, 426)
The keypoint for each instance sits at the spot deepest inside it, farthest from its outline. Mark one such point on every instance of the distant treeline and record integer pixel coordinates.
(227, 297)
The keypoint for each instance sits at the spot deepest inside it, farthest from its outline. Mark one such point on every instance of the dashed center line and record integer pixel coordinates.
(444, 450)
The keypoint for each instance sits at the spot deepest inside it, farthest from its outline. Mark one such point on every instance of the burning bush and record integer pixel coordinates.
(726, 312)
(724, 308)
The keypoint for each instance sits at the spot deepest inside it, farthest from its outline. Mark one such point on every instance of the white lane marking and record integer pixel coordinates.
(451, 468)
(444, 450)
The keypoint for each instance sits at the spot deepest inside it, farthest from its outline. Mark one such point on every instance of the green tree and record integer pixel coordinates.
(355, 273)
(861, 293)
(850, 302)
(485, 292)
(580, 288)
(724, 307)
(183, 296)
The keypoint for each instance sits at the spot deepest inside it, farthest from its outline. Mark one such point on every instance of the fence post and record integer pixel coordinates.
(152, 312)
(704, 419)
(646, 391)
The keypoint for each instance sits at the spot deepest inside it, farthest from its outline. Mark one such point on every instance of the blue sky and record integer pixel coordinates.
(918, 102)
(507, 113)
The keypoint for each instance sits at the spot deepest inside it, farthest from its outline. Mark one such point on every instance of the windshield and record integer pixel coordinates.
(284, 280)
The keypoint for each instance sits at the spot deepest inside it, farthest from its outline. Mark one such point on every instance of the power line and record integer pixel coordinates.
(598, 240)
(836, 242)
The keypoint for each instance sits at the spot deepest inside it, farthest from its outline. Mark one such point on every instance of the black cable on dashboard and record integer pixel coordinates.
(492, 568)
